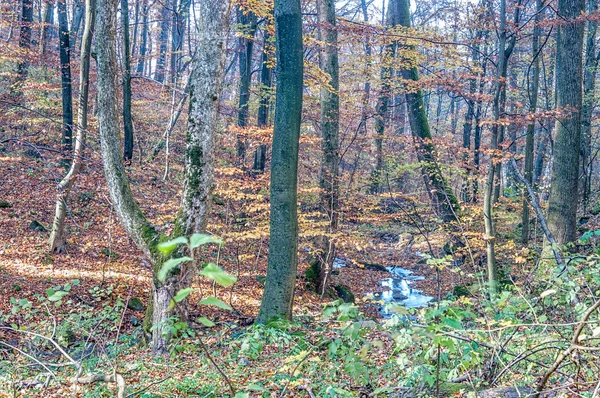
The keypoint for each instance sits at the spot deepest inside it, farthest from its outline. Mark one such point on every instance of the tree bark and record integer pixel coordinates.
(65, 69)
(47, 26)
(127, 121)
(562, 208)
(278, 297)
(57, 240)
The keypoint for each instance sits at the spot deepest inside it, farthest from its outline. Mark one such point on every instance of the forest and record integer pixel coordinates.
(299, 198)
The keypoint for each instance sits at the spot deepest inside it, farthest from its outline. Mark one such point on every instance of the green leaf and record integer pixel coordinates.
(57, 295)
(182, 294)
(206, 322)
(75, 282)
(240, 394)
(167, 247)
(214, 272)
(169, 265)
(453, 323)
(203, 239)
(212, 300)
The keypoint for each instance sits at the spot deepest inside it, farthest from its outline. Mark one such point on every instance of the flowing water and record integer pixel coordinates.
(398, 290)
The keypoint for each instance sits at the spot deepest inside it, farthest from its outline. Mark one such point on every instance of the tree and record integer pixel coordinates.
(25, 38)
(65, 72)
(278, 297)
(533, 85)
(441, 194)
(266, 79)
(322, 261)
(78, 11)
(163, 38)
(47, 28)
(127, 122)
(143, 45)
(564, 179)
(205, 89)
(247, 20)
(57, 240)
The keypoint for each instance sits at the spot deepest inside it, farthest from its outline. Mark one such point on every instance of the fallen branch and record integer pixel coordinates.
(106, 378)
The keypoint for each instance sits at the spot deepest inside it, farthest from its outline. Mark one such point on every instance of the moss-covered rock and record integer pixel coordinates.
(344, 293)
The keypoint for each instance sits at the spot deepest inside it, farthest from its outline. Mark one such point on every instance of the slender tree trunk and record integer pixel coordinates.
(562, 208)
(57, 240)
(163, 39)
(533, 85)
(127, 121)
(142, 59)
(589, 85)
(25, 40)
(177, 38)
(278, 297)
(65, 68)
(443, 198)
(247, 20)
(260, 155)
(47, 25)
(78, 11)
(329, 178)
(383, 104)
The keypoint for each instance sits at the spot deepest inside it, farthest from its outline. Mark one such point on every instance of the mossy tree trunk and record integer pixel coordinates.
(205, 83)
(564, 180)
(57, 240)
(127, 122)
(278, 297)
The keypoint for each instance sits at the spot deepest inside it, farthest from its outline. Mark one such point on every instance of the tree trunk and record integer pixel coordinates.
(443, 198)
(57, 240)
(533, 85)
(163, 39)
(127, 121)
(78, 11)
(142, 59)
(589, 85)
(178, 22)
(492, 188)
(562, 208)
(47, 25)
(65, 68)
(330, 107)
(260, 155)
(383, 104)
(247, 21)
(278, 297)
(25, 39)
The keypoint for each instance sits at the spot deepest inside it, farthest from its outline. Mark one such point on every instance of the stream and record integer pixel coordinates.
(397, 289)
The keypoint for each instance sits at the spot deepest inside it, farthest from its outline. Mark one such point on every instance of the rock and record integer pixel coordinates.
(397, 295)
(135, 321)
(37, 226)
(344, 293)
(374, 267)
(135, 304)
(243, 362)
